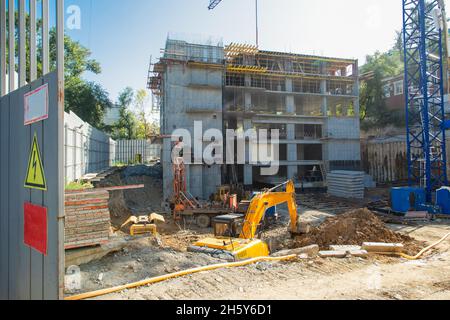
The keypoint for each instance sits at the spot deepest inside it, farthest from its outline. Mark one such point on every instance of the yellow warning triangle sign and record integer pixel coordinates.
(35, 178)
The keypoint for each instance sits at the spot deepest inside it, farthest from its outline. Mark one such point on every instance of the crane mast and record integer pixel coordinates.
(423, 27)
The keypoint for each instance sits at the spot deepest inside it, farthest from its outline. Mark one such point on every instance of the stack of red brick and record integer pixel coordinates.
(88, 220)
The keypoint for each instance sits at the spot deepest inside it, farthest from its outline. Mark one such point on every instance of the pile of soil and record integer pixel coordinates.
(124, 203)
(355, 228)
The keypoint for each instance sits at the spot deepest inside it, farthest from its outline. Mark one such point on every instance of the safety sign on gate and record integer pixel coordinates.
(36, 105)
(35, 227)
(35, 178)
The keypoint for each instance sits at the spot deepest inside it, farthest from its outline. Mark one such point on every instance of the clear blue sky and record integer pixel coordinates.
(123, 34)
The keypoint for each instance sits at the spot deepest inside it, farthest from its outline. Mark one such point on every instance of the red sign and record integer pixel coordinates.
(35, 227)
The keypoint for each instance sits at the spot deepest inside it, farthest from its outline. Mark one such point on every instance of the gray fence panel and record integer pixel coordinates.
(4, 196)
(126, 150)
(19, 254)
(25, 273)
(53, 276)
(86, 149)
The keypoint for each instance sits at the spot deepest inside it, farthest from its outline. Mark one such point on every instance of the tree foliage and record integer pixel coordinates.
(89, 100)
(134, 118)
(379, 66)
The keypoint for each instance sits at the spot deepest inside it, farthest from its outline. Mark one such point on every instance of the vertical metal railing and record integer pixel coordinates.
(2, 48)
(14, 70)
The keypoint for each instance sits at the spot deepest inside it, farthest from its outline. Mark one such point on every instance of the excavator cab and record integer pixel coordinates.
(228, 226)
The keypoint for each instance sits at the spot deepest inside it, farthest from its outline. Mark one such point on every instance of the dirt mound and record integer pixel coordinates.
(354, 228)
(124, 203)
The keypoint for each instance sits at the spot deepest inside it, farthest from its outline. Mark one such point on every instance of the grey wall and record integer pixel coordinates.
(86, 149)
(126, 151)
(25, 273)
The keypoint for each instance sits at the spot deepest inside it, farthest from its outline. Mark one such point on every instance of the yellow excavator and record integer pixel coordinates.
(236, 235)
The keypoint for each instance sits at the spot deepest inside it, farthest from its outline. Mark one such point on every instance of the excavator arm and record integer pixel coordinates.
(266, 200)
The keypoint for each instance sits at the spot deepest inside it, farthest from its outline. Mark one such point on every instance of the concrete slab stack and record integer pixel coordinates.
(88, 220)
(346, 184)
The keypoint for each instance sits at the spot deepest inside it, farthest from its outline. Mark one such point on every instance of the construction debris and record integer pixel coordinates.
(358, 253)
(344, 251)
(332, 254)
(311, 251)
(345, 248)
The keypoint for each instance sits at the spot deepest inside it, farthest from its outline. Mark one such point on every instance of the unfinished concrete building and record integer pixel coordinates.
(313, 101)
(188, 80)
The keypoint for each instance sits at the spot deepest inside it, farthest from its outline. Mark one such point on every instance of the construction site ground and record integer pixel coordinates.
(374, 277)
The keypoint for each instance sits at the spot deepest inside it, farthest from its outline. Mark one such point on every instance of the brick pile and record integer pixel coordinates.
(88, 220)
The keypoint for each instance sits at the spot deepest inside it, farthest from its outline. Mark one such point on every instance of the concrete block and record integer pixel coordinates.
(312, 251)
(345, 248)
(332, 254)
(358, 253)
(383, 247)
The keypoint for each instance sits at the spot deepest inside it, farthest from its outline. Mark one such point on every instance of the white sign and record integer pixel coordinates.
(36, 105)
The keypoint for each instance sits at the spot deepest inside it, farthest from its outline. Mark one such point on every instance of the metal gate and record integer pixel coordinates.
(31, 158)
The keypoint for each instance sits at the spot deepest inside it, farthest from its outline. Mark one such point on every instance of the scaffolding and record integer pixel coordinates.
(248, 66)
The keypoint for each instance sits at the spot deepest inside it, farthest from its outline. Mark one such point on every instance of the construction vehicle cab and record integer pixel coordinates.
(228, 226)
(237, 237)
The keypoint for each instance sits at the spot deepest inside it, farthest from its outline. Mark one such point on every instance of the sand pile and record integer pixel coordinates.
(354, 228)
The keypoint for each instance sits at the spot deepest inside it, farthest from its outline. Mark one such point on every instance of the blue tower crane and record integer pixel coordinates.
(423, 27)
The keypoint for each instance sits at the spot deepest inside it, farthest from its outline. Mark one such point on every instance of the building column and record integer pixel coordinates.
(325, 109)
(248, 167)
(292, 155)
(356, 90)
(167, 169)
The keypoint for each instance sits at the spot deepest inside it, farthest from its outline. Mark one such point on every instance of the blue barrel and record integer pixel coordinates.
(443, 199)
(401, 198)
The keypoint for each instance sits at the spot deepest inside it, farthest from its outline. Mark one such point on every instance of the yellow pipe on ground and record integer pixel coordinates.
(420, 254)
(142, 283)
(146, 282)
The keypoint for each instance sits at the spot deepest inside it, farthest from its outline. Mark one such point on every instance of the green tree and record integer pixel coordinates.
(77, 58)
(88, 100)
(126, 126)
(141, 101)
(379, 66)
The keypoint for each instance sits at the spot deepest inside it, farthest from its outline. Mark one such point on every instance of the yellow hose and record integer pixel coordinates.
(420, 254)
(146, 282)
